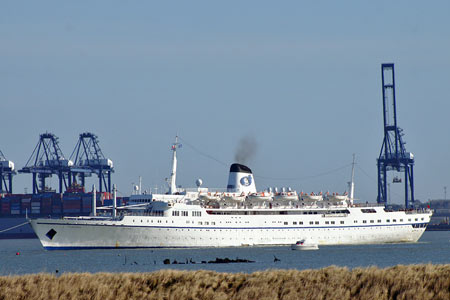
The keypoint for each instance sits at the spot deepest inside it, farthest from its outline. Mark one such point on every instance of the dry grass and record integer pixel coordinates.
(399, 282)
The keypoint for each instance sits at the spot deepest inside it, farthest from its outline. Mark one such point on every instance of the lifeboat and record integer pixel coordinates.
(336, 198)
(208, 196)
(260, 197)
(310, 198)
(286, 196)
(233, 197)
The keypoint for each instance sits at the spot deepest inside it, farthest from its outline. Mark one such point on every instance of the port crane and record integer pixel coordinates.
(6, 174)
(88, 158)
(47, 159)
(393, 155)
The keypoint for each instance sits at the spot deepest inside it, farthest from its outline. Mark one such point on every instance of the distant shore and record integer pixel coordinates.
(399, 282)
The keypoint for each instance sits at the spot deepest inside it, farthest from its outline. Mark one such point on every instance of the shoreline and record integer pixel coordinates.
(424, 281)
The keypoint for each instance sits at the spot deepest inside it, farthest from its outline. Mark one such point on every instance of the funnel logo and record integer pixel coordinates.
(246, 181)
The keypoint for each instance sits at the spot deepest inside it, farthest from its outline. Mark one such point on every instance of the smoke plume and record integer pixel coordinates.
(246, 149)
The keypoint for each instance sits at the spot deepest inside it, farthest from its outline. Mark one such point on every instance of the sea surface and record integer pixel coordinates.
(25, 256)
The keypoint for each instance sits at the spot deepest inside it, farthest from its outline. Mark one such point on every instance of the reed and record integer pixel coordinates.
(399, 282)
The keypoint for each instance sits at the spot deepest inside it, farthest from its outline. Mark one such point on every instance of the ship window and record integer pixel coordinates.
(327, 222)
(200, 223)
(409, 220)
(342, 222)
(285, 223)
(401, 220)
(372, 221)
(394, 220)
(311, 222)
(332, 222)
(294, 223)
(355, 221)
(422, 219)
(300, 223)
(388, 220)
(364, 221)
(213, 223)
(379, 221)
(206, 223)
(416, 219)
(317, 222)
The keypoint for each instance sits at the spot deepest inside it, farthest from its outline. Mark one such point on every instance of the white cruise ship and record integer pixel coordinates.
(237, 216)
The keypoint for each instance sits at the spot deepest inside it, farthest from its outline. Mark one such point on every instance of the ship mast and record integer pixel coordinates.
(351, 184)
(173, 175)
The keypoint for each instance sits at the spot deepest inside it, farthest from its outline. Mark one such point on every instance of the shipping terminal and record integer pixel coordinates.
(87, 160)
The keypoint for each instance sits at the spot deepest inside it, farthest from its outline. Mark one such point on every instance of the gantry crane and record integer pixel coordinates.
(47, 159)
(393, 155)
(88, 158)
(6, 174)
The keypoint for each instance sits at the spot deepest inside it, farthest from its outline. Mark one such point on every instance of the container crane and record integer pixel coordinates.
(6, 174)
(47, 159)
(393, 155)
(88, 158)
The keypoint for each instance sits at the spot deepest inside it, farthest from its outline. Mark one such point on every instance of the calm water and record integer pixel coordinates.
(434, 247)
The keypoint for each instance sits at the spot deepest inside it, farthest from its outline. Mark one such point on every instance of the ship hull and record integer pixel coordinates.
(226, 231)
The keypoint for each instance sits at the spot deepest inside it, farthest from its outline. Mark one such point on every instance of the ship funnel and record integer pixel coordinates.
(241, 180)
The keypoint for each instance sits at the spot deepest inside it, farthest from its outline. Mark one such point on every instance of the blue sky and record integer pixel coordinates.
(301, 78)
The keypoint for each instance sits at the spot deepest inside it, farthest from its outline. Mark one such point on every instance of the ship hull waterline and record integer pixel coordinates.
(110, 234)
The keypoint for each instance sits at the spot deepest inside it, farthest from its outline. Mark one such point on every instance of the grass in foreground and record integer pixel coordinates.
(399, 282)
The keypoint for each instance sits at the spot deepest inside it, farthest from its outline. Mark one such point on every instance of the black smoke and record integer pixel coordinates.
(245, 149)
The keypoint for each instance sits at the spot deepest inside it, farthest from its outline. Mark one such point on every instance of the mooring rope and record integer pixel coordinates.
(7, 229)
